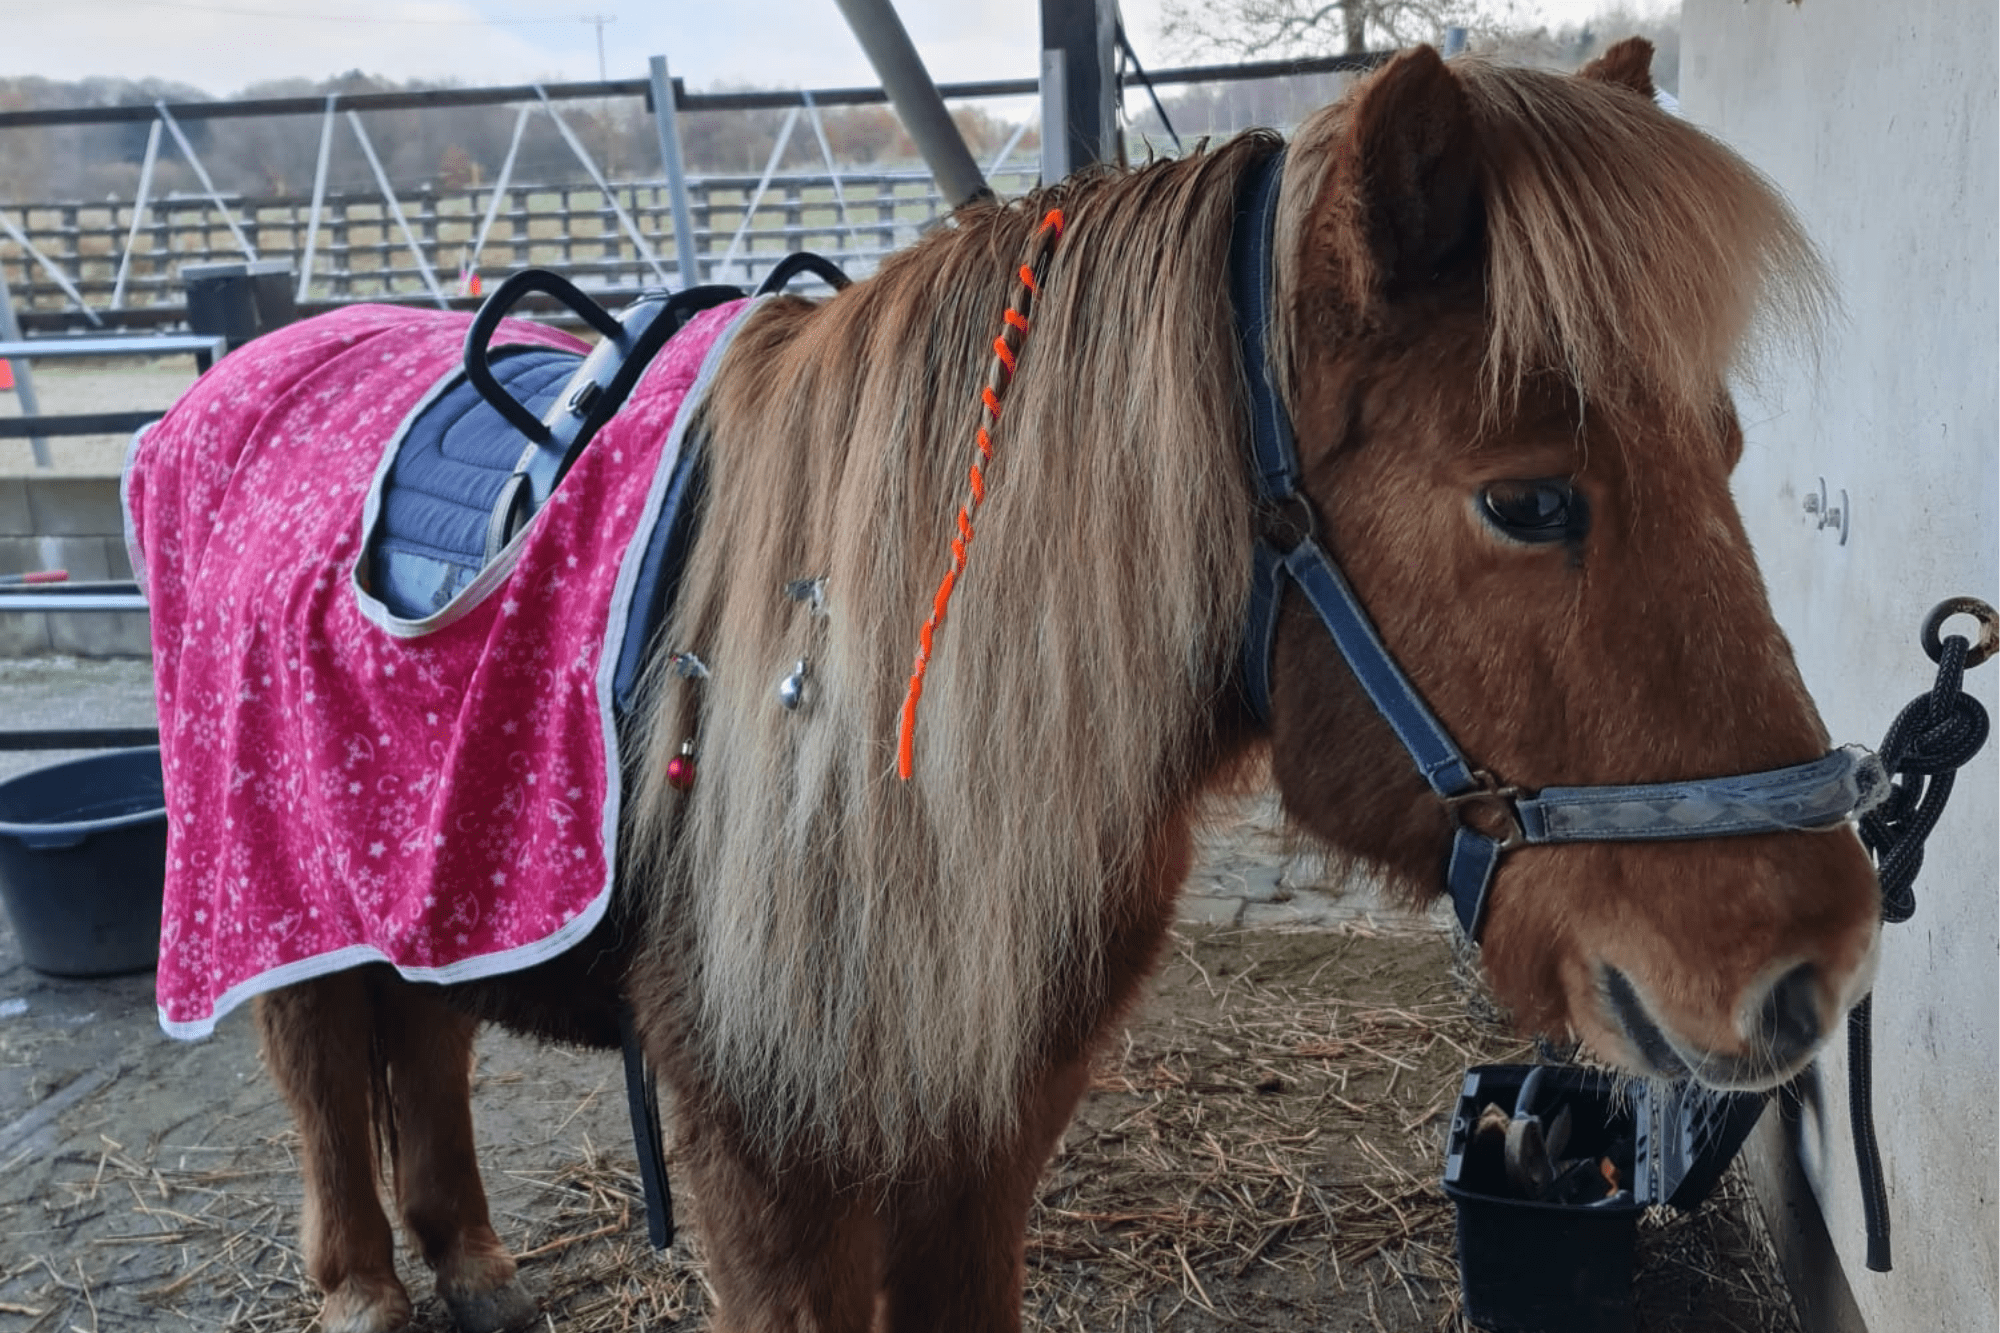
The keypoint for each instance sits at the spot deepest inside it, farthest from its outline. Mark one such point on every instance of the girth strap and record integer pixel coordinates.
(643, 1099)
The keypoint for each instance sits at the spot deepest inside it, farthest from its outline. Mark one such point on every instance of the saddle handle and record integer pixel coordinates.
(803, 261)
(479, 339)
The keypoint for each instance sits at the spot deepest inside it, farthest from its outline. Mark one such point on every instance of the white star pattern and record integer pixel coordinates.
(370, 760)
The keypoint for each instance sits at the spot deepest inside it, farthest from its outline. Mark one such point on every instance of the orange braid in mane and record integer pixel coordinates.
(1006, 348)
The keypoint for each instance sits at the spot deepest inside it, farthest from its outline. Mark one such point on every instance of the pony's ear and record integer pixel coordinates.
(1403, 196)
(1629, 64)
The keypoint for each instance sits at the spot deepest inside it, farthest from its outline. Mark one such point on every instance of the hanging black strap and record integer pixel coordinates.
(1927, 744)
(643, 1098)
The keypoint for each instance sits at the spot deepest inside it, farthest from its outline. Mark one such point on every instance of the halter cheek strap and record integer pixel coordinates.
(1819, 794)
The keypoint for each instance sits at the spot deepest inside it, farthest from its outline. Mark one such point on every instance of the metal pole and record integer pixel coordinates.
(1007, 149)
(915, 98)
(644, 250)
(396, 211)
(1080, 37)
(56, 275)
(201, 173)
(832, 171)
(1055, 103)
(500, 185)
(319, 194)
(757, 196)
(666, 121)
(139, 202)
(24, 383)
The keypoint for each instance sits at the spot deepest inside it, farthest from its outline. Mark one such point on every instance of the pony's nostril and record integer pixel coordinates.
(1788, 1024)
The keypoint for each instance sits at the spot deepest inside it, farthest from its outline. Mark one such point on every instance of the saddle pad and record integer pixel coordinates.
(345, 786)
(442, 487)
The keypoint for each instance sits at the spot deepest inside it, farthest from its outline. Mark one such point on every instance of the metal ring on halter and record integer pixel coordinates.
(1989, 628)
(1493, 795)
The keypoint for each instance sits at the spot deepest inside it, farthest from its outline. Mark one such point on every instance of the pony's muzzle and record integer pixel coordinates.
(1787, 1027)
(1779, 1029)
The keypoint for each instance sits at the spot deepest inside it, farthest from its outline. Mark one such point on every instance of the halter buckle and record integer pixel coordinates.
(1497, 799)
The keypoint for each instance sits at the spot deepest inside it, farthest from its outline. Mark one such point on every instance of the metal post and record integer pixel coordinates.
(500, 184)
(201, 174)
(757, 196)
(667, 121)
(915, 98)
(396, 211)
(56, 275)
(644, 250)
(139, 203)
(832, 171)
(1080, 37)
(319, 194)
(1055, 102)
(1007, 149)
(24, 382)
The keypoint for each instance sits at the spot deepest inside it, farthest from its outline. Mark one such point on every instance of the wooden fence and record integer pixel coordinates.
(360, 251)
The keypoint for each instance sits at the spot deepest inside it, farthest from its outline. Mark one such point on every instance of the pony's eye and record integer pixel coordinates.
(1534, 511)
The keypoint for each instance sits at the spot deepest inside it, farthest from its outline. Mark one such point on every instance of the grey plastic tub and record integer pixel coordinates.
(83, 853)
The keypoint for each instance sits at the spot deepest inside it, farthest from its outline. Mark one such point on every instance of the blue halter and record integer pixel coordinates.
(1819, 794)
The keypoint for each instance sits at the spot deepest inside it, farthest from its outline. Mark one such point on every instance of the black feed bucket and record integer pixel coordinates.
(83, 853)
(1529, 1266)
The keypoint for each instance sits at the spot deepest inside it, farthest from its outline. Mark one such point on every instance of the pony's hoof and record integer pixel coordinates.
(496, 1311)
(359, 1306)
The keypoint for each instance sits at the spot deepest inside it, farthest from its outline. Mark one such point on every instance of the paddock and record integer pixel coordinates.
(1261, 1149)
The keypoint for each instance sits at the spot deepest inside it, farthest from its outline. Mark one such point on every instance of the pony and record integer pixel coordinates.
(1505, 311)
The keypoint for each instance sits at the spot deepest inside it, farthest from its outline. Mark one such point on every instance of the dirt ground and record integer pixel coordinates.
(1261, 1152)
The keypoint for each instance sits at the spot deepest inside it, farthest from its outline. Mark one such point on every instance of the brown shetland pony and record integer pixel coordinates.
(876, 1001)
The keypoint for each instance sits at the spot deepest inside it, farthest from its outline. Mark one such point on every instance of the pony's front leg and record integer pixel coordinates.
(317, 1039)
(956, 1247)
(427, 1047)
(786, 1254)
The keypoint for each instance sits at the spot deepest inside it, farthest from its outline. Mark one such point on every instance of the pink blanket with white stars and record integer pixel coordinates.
(344, 787)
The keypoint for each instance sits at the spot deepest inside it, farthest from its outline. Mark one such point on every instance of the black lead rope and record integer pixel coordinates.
(1927, 744)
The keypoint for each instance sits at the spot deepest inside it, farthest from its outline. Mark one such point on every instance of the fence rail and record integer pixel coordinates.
(361, 251)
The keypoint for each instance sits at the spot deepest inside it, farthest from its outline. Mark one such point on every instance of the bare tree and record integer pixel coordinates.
(1275, 29)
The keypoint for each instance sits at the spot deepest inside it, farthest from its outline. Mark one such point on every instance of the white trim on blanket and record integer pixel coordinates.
(133, 554)
(572, 931)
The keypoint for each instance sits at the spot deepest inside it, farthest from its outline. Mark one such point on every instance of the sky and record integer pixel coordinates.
(223, 46)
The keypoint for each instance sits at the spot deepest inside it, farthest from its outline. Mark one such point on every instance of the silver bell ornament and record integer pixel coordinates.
(792, 689)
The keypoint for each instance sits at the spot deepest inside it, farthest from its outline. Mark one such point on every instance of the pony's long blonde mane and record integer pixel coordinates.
(870, 966)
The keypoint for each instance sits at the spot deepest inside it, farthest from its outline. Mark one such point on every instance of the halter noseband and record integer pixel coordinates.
(1819, 794)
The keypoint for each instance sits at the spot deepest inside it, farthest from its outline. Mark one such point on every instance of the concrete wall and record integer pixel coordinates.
(1879, 121)
(74, 523)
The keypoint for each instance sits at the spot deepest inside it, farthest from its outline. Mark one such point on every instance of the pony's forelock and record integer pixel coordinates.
(1626, 250)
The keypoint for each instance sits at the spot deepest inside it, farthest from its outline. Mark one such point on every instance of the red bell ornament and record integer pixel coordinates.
(680, 769)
